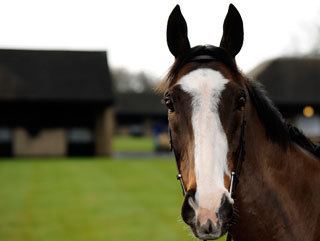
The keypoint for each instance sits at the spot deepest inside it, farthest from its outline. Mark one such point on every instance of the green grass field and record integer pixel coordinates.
(90, 200)
(132, 144)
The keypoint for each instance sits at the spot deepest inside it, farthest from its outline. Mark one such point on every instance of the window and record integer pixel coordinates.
(80, 142)
(309, 125)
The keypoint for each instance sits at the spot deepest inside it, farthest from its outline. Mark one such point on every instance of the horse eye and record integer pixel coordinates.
(168, 102)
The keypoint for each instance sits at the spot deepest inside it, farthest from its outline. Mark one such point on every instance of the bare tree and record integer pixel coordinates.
(315, 49)
(125, 81)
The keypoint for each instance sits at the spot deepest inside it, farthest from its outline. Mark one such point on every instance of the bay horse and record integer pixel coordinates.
(219, 119)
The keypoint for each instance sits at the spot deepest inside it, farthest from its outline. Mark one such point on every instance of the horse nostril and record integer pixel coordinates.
(226, 209)
(207, 228)
(188, 212)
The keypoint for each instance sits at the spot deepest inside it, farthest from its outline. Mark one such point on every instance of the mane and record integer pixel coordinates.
(277, 129)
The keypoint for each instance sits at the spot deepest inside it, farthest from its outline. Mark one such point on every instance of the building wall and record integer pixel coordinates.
(47, 142)
(104, 132)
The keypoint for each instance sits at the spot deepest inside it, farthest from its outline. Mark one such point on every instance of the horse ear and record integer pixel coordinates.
(232, 38)
(177, 33)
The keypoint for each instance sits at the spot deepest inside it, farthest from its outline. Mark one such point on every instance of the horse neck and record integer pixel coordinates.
(278, 193)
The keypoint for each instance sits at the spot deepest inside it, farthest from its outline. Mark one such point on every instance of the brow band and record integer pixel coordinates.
(203, 58)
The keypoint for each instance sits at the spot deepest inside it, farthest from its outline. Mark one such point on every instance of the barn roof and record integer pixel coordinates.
(291, 80)
(144, 104)
(33, 75)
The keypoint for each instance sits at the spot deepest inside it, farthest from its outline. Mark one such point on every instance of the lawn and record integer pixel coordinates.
(123, 143)
(90, 200)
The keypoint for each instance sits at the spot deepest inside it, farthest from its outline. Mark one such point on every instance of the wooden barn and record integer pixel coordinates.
(55, 103)
(139, 107)
(143, 114)
(294, 85)
(140, 113)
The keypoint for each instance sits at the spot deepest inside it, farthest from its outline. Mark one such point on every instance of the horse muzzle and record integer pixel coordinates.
(207, 224)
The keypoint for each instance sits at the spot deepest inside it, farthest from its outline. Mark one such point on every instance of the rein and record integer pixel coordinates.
(240, 157)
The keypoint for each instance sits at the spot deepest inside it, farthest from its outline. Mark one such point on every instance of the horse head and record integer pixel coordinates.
(206, 97)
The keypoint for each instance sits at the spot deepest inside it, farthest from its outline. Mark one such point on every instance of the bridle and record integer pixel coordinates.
(239, 154)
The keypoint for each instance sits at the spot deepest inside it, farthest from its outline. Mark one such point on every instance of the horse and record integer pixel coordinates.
(223, 123)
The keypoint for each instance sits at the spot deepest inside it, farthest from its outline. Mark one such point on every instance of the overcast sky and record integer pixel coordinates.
(133, 32)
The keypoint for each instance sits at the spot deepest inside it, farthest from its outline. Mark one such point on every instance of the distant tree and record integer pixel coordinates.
(306, 41)
(315, 49)
(126, 81)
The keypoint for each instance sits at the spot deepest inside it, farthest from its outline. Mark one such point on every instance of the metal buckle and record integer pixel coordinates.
(179, 178)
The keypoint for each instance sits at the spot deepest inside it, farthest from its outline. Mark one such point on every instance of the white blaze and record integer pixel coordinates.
(210, 154)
